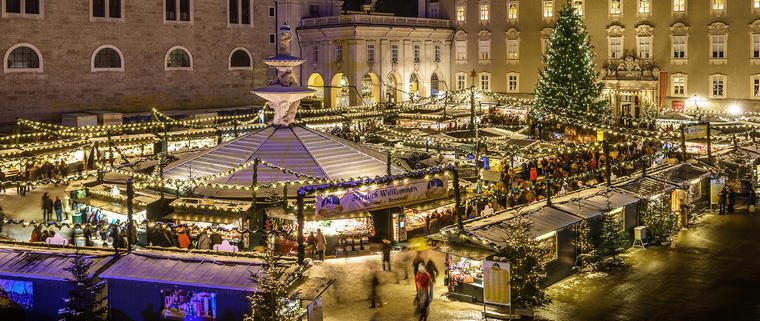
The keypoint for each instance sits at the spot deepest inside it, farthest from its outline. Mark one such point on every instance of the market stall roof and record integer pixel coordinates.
(207, 218)
(592, 205)
(310, 215)
(199, 270)
(494, 228)
(645, 187)
(294, 148)
(470, 252)
(680, 173)
(44, 264)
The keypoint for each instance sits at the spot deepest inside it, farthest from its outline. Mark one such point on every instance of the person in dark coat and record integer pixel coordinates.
(433, 271)
(722, 200)
(387, 247)
(216, 238)
(47, 207)
(731, 201)
(58, 207)
(416, 262)
(204, 241)
(115, 237)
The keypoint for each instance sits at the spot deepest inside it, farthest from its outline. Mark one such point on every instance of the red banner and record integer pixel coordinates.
(678, 105)
(663, 88)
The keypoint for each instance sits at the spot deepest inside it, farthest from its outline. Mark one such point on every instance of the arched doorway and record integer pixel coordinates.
(434, 85)
(414, 86)
(316, 83)
(393, 82)
(339, 92)
(370, 89)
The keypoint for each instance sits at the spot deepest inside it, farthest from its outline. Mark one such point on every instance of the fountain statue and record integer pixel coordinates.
(283, 93)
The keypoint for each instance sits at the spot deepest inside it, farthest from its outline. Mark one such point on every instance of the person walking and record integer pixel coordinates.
(58, 207)
(422, 281)
(417, 262)
(311, 244)
(387, 247)
(731, 201)
(432, 270)
(321, 245)
(374, 296)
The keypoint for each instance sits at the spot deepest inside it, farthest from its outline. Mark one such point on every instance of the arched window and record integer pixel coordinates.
(23, 57)
(240, 59)
(179, 58)
(107, 58)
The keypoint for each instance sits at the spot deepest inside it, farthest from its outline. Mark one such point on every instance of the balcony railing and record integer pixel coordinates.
(353, 19)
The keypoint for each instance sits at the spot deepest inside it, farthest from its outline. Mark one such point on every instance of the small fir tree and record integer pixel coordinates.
(612, 236)
(272, 300)
(83, 303)
(588, 256)
(569, 82)
(525, 256)
(661, 222)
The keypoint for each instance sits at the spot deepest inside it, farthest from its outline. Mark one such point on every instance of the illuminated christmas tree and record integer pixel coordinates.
(525, 256)
(83, 303)
(273, 300)
(569, 83)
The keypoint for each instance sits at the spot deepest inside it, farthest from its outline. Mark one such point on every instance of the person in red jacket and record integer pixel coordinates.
(184, 240)
(423, 282)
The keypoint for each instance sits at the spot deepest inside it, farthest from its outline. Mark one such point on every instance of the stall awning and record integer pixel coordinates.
(645, 187)
(309, 215)
(207, 218)
(680, 173)
(40, 264)
(470, 252)
(110, 206)
(196, 270)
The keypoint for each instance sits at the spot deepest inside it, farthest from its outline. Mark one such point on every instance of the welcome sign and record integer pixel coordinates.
(356, 199)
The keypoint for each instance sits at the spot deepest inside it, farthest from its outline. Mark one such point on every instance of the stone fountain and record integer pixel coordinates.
(283, 93)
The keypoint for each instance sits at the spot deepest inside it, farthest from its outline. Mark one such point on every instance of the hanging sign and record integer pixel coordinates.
(367, 199)
(695, 131)
(716, 185)
(600, 135)
(496, 283)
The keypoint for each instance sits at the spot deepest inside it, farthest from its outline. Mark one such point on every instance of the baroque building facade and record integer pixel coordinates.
(667, 54)
(130, 56)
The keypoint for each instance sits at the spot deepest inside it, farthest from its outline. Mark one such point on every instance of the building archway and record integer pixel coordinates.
(392, 84)
(317, 83)
(414, 86)
(370, 88)
(339, 91)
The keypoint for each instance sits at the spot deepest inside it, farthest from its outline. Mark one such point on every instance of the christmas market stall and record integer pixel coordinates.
(219, 215)
(592, 203)
(551, 227)
(646, 189)
(694, 185)
(34, 281)
(185, 286)
(108, 203)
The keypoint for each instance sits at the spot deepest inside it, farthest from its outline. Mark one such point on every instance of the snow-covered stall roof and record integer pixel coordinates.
(295, 148)
(207, 271)
(45, 264)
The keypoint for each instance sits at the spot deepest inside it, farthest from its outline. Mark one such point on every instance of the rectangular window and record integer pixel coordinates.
(338, 53)
(548, 8)
(99, 8)
(370, 53)
(272, 12)
(755, 45)
(23, 7)
(178, 10)
(679, 86)
(513, 49)
(484, 49)
(461, 50)
(240, 12)
(548, 244)
(756, 87)
(644, 7)
(394, 53)
(483, 12)
(315, 54)
(106, 9)
(616, 47)
(513, 83)
(718, 85)
(719, 4)
(485, 82)
(13, 6)
(679, 47)
(645, 47)
(32, 6)
(417, 53)
(578, 6)
(679, 5)
(272, 38)
(437, 53)
(512, 10)
(313, 10)
(756, 4)
(718, 46)
(615, 8)
(114, 8)
(460, 13)
(461, 81)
